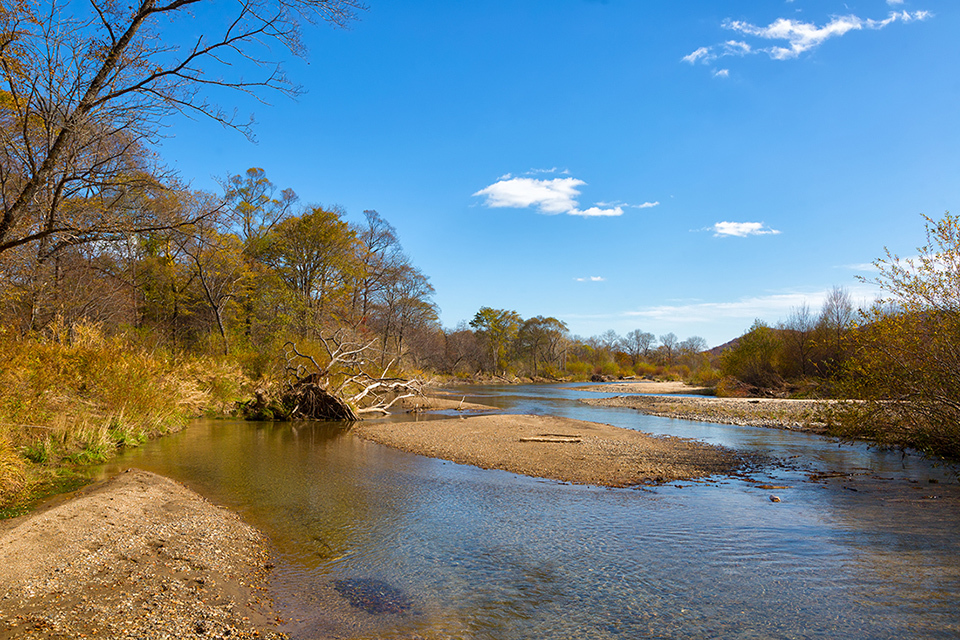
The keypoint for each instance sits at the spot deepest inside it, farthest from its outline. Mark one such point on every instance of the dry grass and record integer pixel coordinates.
(75, 395)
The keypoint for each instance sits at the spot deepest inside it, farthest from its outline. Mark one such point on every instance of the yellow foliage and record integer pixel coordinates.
(77, 394)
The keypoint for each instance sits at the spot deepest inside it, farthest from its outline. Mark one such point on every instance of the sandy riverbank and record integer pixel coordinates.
(138, 556)
(557, 448)
(417, 404)
(645, 386)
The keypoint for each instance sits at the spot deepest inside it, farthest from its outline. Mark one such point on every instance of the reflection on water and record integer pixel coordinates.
(869, 553)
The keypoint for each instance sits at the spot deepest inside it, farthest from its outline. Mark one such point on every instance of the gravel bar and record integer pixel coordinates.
(138, 556)
(558, 448)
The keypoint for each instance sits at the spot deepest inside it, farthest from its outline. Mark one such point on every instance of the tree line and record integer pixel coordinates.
(237, 273)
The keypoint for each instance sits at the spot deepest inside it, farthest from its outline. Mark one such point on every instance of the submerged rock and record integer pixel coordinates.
(372, 595)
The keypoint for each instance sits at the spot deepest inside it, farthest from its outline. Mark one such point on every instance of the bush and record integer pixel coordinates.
(756, 357)
(907, 363)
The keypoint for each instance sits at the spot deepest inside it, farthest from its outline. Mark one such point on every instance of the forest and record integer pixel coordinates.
(130, 302)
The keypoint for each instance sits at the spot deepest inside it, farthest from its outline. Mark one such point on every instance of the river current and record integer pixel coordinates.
(371, 542)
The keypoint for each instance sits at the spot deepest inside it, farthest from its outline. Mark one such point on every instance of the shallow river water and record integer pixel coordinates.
(377, 543)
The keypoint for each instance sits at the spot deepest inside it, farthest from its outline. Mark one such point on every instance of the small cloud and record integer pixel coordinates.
(596, 212)
(736, 48)
(645, 205)
(742, 229)
(721, 73)
(894, 3)
(701, 54)
(862, 266)
(591, 279)
(549, 196)
(791, 38)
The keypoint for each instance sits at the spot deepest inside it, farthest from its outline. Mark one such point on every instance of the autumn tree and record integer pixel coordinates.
(382, 258)
(540, 340)
(405, 304)
(462, 352)
(755, 358)
(907, 362)
(217, 265)
(254, 206)
(497, 328)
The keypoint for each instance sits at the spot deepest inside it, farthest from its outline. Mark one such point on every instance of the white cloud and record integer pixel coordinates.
(893, 3)
(596, 212)
(549, 196)
(742, 229)
(703, 53)
(775, 305)
(796, 37)
(645, 205)
(862, 266)
(772, 307)
(722, 73)
(591, 279)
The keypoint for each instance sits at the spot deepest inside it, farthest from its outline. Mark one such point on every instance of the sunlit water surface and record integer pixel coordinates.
(871, 553)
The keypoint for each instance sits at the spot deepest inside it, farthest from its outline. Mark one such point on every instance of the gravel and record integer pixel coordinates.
(558, 448)
(796, 415)
(138, 556)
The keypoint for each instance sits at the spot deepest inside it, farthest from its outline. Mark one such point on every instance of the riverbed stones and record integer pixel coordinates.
(373, 595)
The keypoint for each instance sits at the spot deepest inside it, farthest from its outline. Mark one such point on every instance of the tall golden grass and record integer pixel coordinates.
(76, 394)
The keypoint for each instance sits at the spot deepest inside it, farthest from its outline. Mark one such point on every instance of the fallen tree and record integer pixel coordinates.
(339, 389)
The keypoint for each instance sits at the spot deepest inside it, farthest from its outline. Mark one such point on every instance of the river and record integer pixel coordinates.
(371, 542)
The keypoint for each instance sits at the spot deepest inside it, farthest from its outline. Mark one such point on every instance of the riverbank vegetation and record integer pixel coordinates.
(897, 362)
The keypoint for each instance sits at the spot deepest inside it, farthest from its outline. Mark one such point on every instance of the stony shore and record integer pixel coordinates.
(557, 448)
(777, 413)
(138, 556)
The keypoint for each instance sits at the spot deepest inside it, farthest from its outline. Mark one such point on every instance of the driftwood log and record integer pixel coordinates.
(340, 389)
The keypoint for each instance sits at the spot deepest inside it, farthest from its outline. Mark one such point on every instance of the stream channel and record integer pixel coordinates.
(372, 542)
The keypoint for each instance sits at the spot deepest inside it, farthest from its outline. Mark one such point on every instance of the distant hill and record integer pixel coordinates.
(716, 351)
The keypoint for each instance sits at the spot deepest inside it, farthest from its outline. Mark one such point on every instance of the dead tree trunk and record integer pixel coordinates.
(342, 389)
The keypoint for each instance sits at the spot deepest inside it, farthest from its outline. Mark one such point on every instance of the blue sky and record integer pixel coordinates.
(655, 165)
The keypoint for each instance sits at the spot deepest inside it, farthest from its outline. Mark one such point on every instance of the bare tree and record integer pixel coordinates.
(799, 337)
(638, 344)
(669, 343)
(87, 86)
(382, 257)
(691, 351)
(836, 319)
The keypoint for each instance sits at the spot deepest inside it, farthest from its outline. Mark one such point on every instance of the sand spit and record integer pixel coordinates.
(557, 448)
